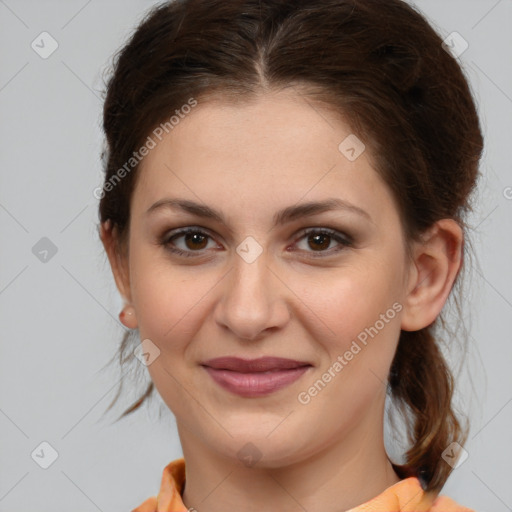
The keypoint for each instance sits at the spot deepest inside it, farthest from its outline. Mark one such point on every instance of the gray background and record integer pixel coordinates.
(59, 317)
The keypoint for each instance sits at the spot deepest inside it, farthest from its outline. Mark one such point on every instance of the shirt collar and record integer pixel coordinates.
(407, 495)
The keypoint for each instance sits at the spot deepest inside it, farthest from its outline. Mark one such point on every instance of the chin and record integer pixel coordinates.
(261, 450)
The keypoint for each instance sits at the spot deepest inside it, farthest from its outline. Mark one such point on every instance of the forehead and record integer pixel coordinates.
(263, 154)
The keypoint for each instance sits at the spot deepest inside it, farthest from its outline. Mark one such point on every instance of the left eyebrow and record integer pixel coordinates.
(288, 214)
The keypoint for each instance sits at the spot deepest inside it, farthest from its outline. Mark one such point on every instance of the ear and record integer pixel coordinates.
(119, 264)
(437, 260)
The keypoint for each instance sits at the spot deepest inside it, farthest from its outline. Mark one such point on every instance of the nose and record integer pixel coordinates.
(253, 300)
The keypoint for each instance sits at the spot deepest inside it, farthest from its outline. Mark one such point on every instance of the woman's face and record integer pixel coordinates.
(264, 279)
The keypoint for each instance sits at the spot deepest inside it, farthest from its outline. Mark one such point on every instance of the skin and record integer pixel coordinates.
(249, 161)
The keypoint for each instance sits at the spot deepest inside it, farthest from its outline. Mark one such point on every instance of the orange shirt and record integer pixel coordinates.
(404, 496)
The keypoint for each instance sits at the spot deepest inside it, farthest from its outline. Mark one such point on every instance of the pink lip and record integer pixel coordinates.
(256, 377)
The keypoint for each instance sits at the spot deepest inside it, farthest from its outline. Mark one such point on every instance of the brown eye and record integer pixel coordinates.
(319, 242)
(196, 240)
(187, 242)
(323, 241)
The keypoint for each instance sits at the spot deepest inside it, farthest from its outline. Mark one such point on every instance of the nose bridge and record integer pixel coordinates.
(250, 301)
(250, 277)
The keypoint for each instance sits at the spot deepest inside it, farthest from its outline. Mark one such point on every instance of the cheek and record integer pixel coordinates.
(359, 332)
(167, 298)
(349, 301)
(170, 314)
(170, 307)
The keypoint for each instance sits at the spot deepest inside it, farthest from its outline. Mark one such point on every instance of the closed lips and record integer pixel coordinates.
(253, 378)
(262, 364)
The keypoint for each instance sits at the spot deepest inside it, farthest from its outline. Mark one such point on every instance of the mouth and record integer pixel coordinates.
(255, 377)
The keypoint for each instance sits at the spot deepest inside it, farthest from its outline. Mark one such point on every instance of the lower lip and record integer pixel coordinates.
(257, 383)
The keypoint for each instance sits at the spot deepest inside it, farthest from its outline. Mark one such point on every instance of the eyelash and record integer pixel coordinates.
(341, 238)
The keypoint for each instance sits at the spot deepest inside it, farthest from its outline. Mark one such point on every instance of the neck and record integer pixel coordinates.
(342, 476)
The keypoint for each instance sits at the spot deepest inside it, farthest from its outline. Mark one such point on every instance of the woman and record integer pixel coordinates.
(283, 211)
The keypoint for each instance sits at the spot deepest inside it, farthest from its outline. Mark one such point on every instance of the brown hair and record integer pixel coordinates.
(383, 68)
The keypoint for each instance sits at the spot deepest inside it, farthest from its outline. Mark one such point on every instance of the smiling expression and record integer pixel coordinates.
(328, 259)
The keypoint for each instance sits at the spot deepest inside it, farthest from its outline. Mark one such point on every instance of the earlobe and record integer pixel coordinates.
(127, 317)
(437, 261)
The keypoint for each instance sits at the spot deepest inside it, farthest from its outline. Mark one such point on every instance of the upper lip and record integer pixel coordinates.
(262, 364)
